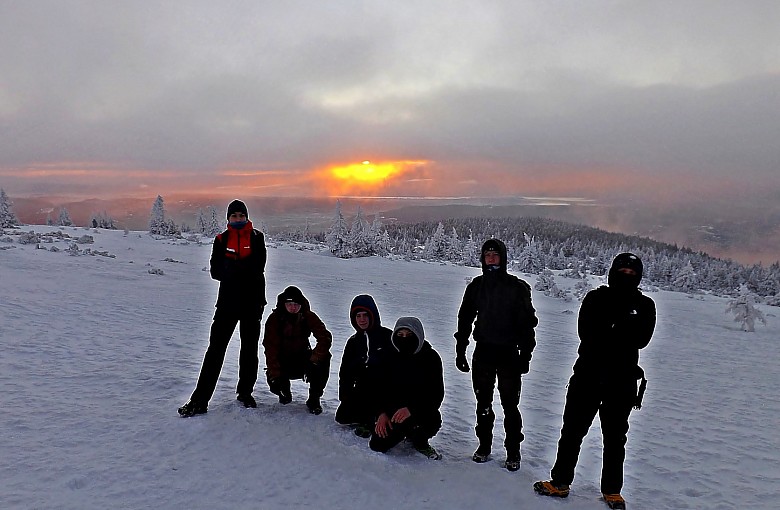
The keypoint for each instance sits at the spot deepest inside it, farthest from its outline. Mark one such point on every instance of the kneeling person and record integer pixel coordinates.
(408, 391)
(288, 353)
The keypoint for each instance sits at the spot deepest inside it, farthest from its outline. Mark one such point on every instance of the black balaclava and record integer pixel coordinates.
(622, 281)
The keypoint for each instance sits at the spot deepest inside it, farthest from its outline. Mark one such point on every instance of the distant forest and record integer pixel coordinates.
(538, 245)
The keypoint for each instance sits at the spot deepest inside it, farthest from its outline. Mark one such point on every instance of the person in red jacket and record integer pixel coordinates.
(237, 262)
(288, 353)
(614, 323)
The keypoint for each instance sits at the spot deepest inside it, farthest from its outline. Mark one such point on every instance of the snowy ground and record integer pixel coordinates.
(98, 353)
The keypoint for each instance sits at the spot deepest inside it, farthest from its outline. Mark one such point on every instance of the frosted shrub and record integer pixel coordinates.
(85, 239)
(744, 310)
(29, 238)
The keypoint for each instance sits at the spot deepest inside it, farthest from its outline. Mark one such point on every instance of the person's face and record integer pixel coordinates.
(292, 307)
(404, 333)
(237, 216)
(627, 270)
(363, 320)
(492, 258)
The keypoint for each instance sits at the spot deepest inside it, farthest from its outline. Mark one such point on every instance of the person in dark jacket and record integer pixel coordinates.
(505, 340)
(615, 322)
(237, 262)
(358, 363)
(408, 391)
(288, 353)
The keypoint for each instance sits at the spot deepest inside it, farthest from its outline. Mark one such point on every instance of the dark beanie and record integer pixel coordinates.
(237, 206)
(627, 261)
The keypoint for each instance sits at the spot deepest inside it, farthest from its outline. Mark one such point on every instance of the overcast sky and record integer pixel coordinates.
(470, 98)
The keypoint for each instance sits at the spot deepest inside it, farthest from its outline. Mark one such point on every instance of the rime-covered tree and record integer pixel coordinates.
(436, 245)
(686, 280)
(470, 252)
(359, 239)
(7, 216)
(336, 236)
(63, 219)
(157, 223)
(581, 288)
(744, 310)
(530, 259)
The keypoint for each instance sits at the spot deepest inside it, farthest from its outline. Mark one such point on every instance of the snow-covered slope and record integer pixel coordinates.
(98, 352)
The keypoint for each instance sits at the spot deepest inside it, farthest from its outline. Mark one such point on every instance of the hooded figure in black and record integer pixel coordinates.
(407, 391)
(505, 339)
(237, 262)
(358, 363)
(614, 323)
(288, 353)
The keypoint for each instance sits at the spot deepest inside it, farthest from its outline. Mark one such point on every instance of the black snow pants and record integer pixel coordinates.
(418, 429)
(491, 363)
(612, 401)
(222, 328)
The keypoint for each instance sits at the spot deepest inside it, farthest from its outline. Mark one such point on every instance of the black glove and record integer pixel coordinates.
(524, 365)
(462, 363)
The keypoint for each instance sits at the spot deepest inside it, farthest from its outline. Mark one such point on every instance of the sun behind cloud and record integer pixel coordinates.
(367, 177)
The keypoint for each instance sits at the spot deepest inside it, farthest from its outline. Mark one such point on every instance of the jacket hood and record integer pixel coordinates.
(495, 245)
(292, 294)
(415, 326)
(619, 280)
(364, 303)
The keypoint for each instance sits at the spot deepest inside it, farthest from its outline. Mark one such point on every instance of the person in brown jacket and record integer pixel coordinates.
(288, 353)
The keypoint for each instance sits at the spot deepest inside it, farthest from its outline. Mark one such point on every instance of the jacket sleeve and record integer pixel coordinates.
(261, 253)
(271, 346)
(527, 340)
(321, 351)
(217, 261)
(643, 322)
(347, 376)
(466, 315)
(432, 395)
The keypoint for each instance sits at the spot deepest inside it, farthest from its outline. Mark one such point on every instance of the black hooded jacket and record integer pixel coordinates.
(241, 279)
(362, 349)
(411, 380)
(501, 304)
(613, 325)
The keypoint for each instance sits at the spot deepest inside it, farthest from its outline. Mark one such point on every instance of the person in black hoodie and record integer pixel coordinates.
(505, 339)
(358, 363)
(288, 353)
(407, 391)
(237, 262)
(615, 322)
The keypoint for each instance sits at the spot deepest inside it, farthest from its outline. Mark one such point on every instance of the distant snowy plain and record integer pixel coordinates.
(98, 351)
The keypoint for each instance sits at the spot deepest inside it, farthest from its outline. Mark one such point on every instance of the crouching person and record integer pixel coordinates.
(288, 353)
(408, 391)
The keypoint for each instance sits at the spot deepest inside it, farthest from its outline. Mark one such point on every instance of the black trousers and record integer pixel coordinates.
(354, 410)
(298, 366)
(418, 429)
(584, 399)
(488, 365)
(222, 327)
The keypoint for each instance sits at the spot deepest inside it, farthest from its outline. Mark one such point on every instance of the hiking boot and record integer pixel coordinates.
(285, 396)
(426, 449)
(512, 461)
(363, 431)
(313, 404)
(550, 488)
(615, 501)
(481, 456)
(192, 408)
(247, 399)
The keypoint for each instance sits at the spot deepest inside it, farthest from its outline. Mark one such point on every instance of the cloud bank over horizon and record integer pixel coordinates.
(652, 99)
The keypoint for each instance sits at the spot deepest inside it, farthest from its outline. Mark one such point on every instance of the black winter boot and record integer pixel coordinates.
(247, 399)
(192, 408)
(313, 403)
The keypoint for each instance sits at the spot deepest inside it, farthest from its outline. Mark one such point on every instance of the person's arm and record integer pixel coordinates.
(321, 351)
(217, 261)
(466, 315)
(271, 346)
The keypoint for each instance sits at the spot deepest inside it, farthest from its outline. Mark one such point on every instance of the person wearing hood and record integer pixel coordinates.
(288, 353)
(408, 391)
(505, 339)
(237, 262)
(358, 362)
(615, 321)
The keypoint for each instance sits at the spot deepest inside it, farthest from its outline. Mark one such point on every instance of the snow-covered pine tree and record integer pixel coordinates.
(7, 216)
(530, 259)
(581, 288)
(63, 219)
(744, 310)
(359, 239)
(336, 236)
(214, 224)
(686, 280)
(470, 254)
(200, 221)
(436, 245)
(157, 224)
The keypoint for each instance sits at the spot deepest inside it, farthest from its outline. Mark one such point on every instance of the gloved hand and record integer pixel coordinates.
(523, 365)
(311, 371)
(462, 363)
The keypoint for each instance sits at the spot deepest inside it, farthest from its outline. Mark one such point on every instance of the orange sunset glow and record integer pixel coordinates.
(366, 176)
